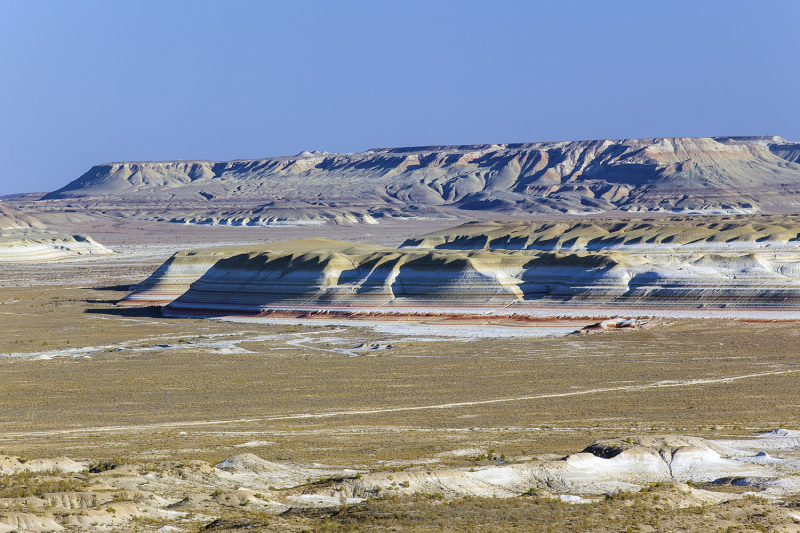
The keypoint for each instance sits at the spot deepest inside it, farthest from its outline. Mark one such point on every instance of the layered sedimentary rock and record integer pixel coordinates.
(649, 236)
(24, 238)
(331, 276)
(704, 175)
(36, 247)
(175, 276)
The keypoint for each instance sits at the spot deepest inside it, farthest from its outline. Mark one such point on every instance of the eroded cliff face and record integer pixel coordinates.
(777, 233)
(723, 174)
(492, 268)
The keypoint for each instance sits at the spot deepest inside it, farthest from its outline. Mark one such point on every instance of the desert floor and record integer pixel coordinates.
(142, 393)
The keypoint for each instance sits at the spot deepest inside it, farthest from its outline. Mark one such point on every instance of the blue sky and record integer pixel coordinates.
(87, 82)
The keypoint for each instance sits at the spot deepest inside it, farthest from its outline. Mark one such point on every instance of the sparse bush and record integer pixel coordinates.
(105, 465)
(25, 484)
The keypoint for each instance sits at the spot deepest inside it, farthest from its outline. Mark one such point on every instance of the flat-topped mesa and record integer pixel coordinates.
(176, 274)
(705, 175)
(684, 235)
(318, 275)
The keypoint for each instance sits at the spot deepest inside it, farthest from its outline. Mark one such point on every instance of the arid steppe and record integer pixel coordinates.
(131, 394)
(381, 267)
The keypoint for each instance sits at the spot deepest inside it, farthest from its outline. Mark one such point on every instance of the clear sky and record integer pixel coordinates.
(87, 82)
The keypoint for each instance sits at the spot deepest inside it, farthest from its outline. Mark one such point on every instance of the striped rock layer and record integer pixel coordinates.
(331, 276)
(676, 235)
(47, 246)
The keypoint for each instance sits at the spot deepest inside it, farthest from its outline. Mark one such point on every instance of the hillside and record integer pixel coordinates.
(319, 275)
(704, 175)
(11, 219)
(24, 238)
(666, 235)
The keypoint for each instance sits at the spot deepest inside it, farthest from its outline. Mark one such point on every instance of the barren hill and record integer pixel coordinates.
(24, 238)
(666, 235)
(706, 175)
(11, 219)
(494, 269)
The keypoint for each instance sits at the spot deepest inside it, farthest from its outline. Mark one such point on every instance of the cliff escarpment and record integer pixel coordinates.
(761, 233)
(475, 275)
(703, 175)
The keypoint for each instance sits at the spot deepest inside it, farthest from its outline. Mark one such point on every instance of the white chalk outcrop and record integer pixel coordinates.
(12, 465)
(700, 175)
(604, 467)
(24, 238)
(248, 467)
(50, 246)
(624, 465)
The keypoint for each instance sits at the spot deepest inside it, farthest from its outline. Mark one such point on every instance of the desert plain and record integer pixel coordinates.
(556, 414)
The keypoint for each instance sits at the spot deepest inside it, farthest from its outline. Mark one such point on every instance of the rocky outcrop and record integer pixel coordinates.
(604, 467)
(649, 236)
(176, 275)
(11, 219)
(704, 175)
(25, 247)
(24, 238)
(317, 275)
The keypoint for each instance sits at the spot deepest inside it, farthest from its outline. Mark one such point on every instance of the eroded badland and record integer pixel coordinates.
(244, 386)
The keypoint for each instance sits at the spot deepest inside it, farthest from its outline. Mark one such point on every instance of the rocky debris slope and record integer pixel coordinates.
(704, 175)
(319, 275)
(24, 238)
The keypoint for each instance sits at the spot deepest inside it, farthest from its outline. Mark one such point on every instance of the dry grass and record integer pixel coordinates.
(26, 483)
(646, 511)
(144, 401)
